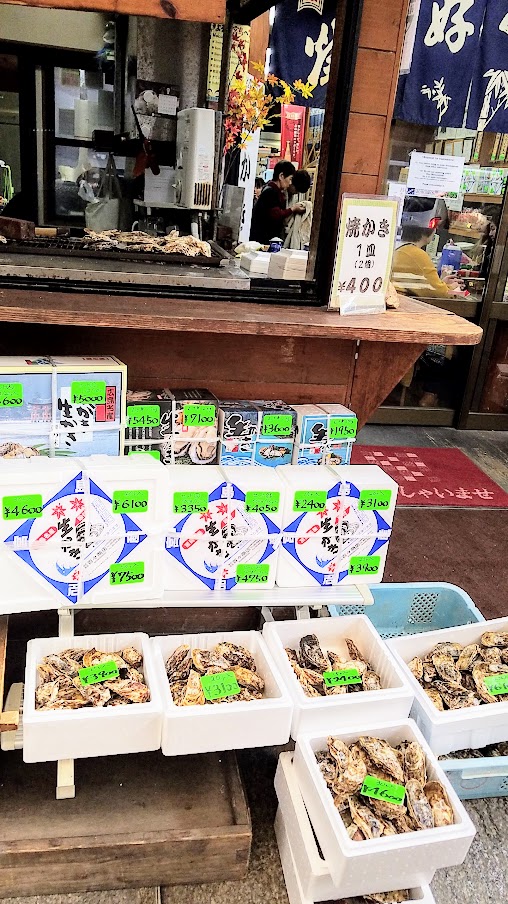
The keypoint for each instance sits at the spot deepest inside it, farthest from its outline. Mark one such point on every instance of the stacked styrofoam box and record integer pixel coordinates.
(325, 434)
(78, 530)
(49, 407)
(92, 731)
(219, 536)
(391, 862)
(227, 725)
(318, 713)
(453, 729)
(306, 872)
(256, 433)
(336, 525)
(255, 261)
(288, 264)
(175, 426)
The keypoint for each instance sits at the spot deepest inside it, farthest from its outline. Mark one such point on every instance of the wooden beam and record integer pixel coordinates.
(188, 10)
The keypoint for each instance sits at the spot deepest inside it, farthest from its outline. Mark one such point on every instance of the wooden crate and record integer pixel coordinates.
(139, 820)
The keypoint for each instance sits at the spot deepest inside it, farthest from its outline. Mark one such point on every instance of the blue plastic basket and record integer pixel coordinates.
(413, 608)
(481, 777)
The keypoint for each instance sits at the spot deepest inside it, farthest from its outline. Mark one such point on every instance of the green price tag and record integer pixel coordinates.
(11, 395)
(186, 503)
(127, 573)
(342, 676)
(130, 501)
(309, 501)
(15, 508)
(143, 416)
(88, 392)
(222, 685)
(103, 671)
(277, 425)
(362, 565)
(262, 502)
(374, 499)
(153, 452)
(199, 415)
(252, 574)
(343, 427)
(381, 790)
(496, 684)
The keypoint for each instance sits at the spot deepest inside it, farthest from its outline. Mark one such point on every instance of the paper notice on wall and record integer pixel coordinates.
(363, 262)
(434, 175)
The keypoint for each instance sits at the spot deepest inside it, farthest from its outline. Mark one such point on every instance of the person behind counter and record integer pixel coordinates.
(259, 185)
(410, 257)
(270, 211)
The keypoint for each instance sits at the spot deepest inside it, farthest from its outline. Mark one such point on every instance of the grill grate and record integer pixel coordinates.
(78, 247)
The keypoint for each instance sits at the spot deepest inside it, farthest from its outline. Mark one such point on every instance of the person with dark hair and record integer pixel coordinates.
(298, 227)
(300, 184)
(410, 257)
(259, 185)
(270, 210)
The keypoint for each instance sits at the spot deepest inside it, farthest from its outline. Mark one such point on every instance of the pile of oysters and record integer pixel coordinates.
(453, 676)
(61, 687)
(185, 668)
(383, 897)
(344, 768)
(310, 662)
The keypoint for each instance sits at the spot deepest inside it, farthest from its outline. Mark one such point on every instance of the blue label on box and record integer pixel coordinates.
(272, 454)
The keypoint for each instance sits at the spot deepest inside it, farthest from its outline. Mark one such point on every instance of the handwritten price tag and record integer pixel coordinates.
(127, 573)
(199, 415)
(88, 392)
(381, 790)
(143, 416)
(309, 501)
(342, 676)
(11, 395)
(362, 565)
(186, 503)
(252, 574)
(496, 684)
(130, 501)
(262, 502)
(103, 671)
(277, 425)
(374, 499)
(222, 685)
(343, 427)
(15, 508)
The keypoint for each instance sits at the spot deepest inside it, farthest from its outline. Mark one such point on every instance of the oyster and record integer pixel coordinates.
(202, 660)
(382, 755)
(468, 656)
(494, 639)
(234, 654)
(491, 654)
(371, 681)
(353, 650)
(480, 672)
(351, 779)
(193, 695)
(292, 656)
(178, 665)
(418, 806)
(249, 679)
(312, 654)
(441, 807)
(367, 821)
(455, 697)
(429, 671)
(453, 649)
(96, 694)
(61, 687)
(310, 676)
(414, 762)
(46, 694)
(328, 769)
(416, 667)
(386, 810)
(339, 752)
(435, 696)
(132, 691)
(389, 897)
(444, 665)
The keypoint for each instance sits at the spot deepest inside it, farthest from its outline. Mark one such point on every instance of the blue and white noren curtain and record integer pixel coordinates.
(301, 45)
(488, 104)
(446, 50)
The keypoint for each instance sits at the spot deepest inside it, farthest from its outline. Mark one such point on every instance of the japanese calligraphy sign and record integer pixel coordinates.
(301, 45)
(292, 124)
(434, 175)
(363, 261)
(488, 102)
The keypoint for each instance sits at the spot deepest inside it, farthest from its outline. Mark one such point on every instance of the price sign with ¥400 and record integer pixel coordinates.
(16, 508)
(224, 684)
(102, 671)
(127, 573)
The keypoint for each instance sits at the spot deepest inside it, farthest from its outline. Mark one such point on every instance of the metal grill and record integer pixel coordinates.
(80, 247)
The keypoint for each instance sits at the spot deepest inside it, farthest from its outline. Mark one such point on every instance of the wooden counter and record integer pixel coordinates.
(235, 349)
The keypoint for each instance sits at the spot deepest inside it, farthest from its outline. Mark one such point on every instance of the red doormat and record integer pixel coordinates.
(432, 476)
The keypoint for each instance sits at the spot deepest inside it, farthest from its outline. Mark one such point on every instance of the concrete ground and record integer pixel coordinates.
(484, 875)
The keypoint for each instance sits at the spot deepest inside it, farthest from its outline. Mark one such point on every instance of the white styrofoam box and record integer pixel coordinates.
(306, 872)
(257, 480)
(397, 861)
(288, 262)
(453, 729)
(136, 488)
(93, 731)
(316, 713)
(188, 479)
(223, 726)
(38, 476)
(255, 261)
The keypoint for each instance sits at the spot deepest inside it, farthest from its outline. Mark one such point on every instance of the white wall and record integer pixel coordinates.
(53, 27)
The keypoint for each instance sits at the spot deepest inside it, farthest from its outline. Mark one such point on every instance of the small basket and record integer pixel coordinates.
(414, 608)
(478, 776)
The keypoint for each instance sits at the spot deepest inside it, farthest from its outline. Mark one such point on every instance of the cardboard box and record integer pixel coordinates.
(256, 432)
(176, 426)
(325, 434)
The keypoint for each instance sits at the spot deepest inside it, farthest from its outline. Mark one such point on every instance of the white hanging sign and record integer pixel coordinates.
(434, 175)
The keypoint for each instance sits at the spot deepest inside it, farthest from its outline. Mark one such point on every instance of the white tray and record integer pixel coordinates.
(223, 726)
(316, 713)
(458, 729)
(400, 861)
(92, 731)
(306, 872)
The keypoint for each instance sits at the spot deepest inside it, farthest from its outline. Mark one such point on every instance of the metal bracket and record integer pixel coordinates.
(65, 787)
(66, 622)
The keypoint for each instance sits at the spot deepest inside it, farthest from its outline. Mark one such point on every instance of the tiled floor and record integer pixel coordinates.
(484, 875)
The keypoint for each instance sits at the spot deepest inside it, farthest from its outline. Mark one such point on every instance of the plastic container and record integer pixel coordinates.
(412, 608)
(93, 731)
(457, 729)
(317, 713)
(223, 726)
(478, 776)
(306, 872)
(451, 256)
(387, 863)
